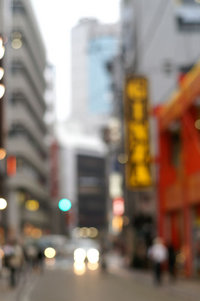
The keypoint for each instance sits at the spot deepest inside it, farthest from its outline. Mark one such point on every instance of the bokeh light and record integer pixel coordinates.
(50, 262)
(122, 158)
(92, 266)
(2, 48)
(3, 204)
(2, 90)
(2, 153)
(50, 252)
(197, 124)
(1, 73)
(93, 255)
(93, 232)
(64, 205)
(1, 253)
(32, 205)
(79, 268)
(79, 255)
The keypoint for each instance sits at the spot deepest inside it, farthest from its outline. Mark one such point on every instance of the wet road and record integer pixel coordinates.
(61, 284)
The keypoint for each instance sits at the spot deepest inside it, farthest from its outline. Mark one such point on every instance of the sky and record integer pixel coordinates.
(56, 18)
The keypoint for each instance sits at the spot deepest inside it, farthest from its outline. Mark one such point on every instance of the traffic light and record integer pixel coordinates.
(64, 205)
(2, 51)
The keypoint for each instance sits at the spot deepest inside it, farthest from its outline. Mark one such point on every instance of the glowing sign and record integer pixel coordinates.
(138, 173)
(118, 206)
(117, 224)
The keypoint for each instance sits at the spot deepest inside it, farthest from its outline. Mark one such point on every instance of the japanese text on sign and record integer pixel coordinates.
(138, 173)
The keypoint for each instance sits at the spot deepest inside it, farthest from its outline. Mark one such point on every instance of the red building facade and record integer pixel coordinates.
(179, 172)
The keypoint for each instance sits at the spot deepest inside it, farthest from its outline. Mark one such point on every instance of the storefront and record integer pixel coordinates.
(179, 172)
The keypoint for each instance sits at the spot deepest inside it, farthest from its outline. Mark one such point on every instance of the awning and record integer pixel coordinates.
(181, 99)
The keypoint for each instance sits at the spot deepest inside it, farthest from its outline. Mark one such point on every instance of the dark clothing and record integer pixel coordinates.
(158, 272)
(171, 261)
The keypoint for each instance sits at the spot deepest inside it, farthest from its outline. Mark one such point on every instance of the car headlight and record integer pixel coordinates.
(93, 255)
(79, 255)
(50, 253)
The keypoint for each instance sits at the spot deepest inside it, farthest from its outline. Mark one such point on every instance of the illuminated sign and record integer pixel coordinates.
(118, 206)
(117, 224)
(138, 173)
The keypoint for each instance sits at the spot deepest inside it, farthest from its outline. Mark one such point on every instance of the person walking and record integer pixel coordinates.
(172, 262)
(14, 261)
(158, 254)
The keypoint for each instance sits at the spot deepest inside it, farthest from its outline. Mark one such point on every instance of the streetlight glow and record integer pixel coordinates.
(2, 153)
(2, 48)
(2, 90)
(3, 204)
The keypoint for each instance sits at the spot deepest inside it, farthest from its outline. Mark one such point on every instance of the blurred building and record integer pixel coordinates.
(27, 190)
(160, 40)
(179, 199)
(93, 45)
(147, 51)
(82, 166)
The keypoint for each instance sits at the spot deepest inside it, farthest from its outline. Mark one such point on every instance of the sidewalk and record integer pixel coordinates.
(189, 289)
(8, 293)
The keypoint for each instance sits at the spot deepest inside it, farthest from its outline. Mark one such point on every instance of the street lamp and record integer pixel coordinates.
(3, 204)
(2, 52)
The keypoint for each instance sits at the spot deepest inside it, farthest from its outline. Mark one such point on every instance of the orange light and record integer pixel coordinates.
(117, 223)
(32, 205)
(2, 153)
(11, 166)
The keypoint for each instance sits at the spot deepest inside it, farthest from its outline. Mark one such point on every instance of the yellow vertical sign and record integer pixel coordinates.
(138, 171)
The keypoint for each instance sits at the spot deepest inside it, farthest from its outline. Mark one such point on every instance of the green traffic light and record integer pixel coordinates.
(64, 205)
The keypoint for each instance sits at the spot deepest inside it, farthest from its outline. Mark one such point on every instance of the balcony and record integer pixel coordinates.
(20, 85)
(22, 180)
(20, 146)
(20, 115)
(38, 53)
(22, 58)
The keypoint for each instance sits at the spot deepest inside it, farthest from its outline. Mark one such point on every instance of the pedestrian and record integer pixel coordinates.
(40, 259)
(14, 260)
(172, 262)
(158, 254)
(30, 252)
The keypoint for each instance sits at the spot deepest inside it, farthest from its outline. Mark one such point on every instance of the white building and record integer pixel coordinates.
(160, 40)
(93, 45)
(27, 152)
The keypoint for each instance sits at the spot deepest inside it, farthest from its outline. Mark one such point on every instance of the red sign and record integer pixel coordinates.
(118, 206)
(11, 166)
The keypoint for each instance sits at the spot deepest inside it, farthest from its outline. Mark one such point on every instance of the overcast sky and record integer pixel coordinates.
(56, 18)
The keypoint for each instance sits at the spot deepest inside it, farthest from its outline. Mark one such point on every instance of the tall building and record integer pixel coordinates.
(160, 40)
(93, 46)
(148, 51)
(27, 153)
(82, 178)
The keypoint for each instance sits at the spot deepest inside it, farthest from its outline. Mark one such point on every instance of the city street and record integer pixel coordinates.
(59, 282)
